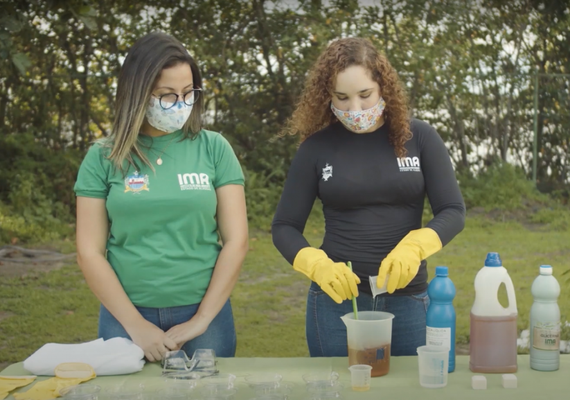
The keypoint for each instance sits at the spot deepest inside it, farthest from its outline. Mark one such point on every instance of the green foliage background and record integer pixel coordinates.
(468, 66)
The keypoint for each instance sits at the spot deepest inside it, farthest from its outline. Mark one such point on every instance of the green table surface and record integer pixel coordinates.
(402, 382)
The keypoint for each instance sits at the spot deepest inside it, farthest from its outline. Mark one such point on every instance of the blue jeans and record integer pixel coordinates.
(326, 333)
(220, 335)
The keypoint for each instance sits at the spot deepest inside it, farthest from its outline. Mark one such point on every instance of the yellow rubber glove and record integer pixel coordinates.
(336, 279)
(67, 374)
(9, 383)
(404, 260)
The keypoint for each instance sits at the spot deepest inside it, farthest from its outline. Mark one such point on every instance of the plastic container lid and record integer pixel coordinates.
(493, 260)
(545, 270)
(74, 370)
(441, 271)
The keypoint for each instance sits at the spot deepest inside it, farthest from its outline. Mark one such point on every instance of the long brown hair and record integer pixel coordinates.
(140, 71)
(313, 112)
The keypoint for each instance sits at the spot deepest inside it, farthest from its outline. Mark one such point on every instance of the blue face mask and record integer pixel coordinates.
(170, 120)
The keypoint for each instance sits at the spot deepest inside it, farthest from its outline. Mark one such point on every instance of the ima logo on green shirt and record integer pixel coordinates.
(194, 181)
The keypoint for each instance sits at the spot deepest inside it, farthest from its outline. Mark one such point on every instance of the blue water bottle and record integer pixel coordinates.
(440, 319)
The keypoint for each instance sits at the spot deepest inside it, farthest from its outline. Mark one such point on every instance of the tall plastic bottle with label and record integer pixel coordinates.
(440, 318)
(545, 322)
(493, 329)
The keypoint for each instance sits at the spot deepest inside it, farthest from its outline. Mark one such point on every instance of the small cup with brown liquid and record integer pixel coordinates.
(378, 358)
(360, 377)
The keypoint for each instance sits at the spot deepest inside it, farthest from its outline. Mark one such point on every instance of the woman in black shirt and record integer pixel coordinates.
(371, 165)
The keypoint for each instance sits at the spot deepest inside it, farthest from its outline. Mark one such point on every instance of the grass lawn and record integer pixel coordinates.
(269, 300)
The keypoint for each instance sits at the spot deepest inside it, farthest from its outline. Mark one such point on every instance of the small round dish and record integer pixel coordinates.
(263, 380)
(328, 376)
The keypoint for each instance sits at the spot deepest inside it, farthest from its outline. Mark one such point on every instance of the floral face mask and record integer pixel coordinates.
(359, 121)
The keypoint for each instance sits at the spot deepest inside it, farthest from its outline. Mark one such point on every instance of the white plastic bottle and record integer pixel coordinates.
(493, 328)
(545, 322)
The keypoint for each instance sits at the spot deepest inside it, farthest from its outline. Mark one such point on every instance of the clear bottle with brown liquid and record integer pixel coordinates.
(493, 329)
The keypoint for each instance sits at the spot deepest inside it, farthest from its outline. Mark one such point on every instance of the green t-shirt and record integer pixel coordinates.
(163, 241)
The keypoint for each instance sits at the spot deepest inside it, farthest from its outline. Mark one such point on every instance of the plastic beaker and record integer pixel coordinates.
(433, 364)
(360, 377)
(369, 338)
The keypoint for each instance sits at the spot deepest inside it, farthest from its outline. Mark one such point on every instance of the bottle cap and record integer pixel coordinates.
(493, 260)
(441, 271)
(545, 270)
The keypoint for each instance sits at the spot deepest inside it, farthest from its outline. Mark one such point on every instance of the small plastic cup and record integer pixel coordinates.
(360, 377)
(263, 380)
(320, 377)
(433, 364)
(283, 391)
(218, 382)
(213, 393)
(173, 393)
(80, 392)
(375, 289)
(126, 391)
(332, 388)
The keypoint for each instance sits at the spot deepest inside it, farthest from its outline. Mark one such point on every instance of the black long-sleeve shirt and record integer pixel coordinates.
(371, 198)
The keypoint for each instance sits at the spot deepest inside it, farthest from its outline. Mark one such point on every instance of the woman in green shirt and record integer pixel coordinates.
(151, 200)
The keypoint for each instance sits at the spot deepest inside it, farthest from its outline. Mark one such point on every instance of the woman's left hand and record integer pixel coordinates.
(188, 330)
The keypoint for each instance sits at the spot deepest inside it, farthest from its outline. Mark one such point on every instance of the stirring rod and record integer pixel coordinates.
(353, 298)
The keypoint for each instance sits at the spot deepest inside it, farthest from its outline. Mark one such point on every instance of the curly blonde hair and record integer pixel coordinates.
(313, 113)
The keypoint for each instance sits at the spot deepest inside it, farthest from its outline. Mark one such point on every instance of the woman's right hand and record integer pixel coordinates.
(152, 340)
(336, 279)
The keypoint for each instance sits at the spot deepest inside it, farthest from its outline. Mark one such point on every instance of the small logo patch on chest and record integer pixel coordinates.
(136, 183)
(327, 172)
(409, 164)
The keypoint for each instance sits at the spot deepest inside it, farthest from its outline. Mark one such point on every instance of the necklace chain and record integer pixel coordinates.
(159, 159)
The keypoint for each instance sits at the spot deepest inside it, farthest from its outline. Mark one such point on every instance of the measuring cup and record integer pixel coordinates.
(433, 363)
(369, 338)
(360, 377)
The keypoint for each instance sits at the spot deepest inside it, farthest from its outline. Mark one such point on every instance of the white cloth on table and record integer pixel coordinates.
(116, 356)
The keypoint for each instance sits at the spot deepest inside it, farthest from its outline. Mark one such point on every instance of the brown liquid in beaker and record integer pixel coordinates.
(377, 358)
